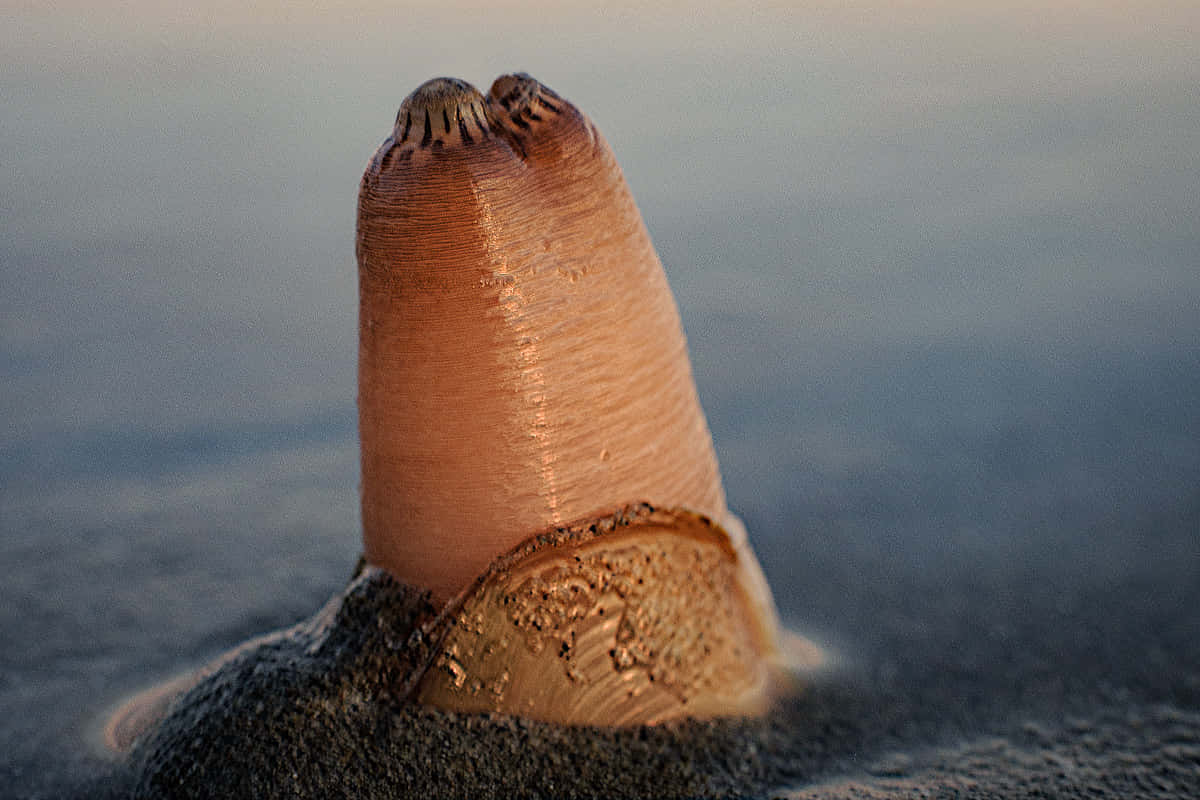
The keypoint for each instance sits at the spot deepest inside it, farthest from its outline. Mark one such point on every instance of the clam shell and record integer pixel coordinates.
(646, 616)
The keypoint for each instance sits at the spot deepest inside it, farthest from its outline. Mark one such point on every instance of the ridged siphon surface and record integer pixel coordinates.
(521, 363)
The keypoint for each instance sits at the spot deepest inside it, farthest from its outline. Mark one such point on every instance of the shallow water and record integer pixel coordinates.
(939, 269)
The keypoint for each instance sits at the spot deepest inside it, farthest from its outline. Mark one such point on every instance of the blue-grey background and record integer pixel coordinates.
(939, 266)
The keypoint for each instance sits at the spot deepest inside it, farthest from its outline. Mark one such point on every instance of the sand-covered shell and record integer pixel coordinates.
(638, 617)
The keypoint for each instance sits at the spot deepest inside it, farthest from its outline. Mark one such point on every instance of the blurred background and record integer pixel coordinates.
(938, 263)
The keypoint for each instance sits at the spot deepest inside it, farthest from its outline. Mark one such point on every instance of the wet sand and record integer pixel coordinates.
(1071, 687)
